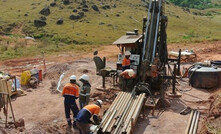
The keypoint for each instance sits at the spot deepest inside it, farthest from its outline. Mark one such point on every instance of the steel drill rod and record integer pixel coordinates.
(196, 124)
(131, 112)
(193, 122)
(138, 109)
(120, 105)
(122, 109)
(189, 122)
(105, 116)
(128, 122)
(121, 119)
(109, 120)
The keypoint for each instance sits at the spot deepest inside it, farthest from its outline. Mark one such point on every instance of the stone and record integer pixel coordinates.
(85, 6)
(45, 11)
(66, 2)
(39, 23)
(106, 7)
(20, 123)
(95, 8)
(81, 14)
(53, 4)
(85, 10)
(75, 17)
(43, 18)
(75, 10)
(101, 23)
(60, 21)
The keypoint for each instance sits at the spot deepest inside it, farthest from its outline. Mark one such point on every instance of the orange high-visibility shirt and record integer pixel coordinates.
(71, 89)
(93, 109)
(126, 62)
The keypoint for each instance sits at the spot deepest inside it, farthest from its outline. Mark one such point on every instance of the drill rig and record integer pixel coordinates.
(150, 62)
(150, 49)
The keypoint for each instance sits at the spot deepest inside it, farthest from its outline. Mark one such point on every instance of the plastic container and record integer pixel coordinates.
(205, 77)
(25, 76)
(40, 78)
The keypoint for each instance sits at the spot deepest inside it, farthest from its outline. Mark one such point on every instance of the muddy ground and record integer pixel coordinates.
(43, 111)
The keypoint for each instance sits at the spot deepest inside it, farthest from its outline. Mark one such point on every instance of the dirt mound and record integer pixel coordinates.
(213, 120)
(106, 96)
(54, 72)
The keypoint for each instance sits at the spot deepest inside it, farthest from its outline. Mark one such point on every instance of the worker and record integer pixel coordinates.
(71, 93)
(84, 115)
(127, 79)
(85, 90)
(126, 61)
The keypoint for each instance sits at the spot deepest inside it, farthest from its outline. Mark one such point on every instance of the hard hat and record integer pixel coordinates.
(100, 102)
(131, 72)
(127, 53)
(73, 77)
(84, 77)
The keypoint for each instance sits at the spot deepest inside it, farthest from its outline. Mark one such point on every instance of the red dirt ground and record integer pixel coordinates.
(43, 109)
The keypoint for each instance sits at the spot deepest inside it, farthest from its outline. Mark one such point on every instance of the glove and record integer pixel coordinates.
(90, 122)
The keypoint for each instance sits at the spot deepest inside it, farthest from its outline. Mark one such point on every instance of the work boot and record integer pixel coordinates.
(74, 124)
(69, 124)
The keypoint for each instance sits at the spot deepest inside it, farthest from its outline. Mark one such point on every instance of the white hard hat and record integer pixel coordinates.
(84, 77)
(127, 53)
(131, 72)
(73, 77)
(100, 102)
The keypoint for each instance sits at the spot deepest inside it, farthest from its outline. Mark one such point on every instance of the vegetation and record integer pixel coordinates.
(199, 4)
(95, 28)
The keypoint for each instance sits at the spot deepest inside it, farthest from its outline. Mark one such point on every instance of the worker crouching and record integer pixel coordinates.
(84, 115)
(127, 80)
(71, 93)
(84, 91)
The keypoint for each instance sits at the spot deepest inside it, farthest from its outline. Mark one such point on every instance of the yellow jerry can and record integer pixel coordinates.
(25, 76)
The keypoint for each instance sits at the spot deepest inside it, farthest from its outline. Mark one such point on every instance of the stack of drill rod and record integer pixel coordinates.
(122, 114)
(193, 122)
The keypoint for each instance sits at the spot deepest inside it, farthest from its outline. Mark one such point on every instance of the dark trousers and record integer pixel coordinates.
(84, 128)
(70, 105)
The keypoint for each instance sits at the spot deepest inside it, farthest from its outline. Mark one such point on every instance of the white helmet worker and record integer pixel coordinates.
(127, 53)
(130, 72)
(73, 77)
(100, 102)
(84, 77)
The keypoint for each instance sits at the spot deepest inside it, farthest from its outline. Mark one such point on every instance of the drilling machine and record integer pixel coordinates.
(150, 52)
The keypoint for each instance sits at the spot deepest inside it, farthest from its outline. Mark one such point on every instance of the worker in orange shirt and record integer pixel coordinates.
(126, 61)
(84, 115)
(127, 79)
(70, 94)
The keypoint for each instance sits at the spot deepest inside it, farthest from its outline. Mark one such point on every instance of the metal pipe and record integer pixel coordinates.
(196, 124)
(156, 32)
(131, 112)
(112, 107)
(189, 122)
(193, 122)
(135, 116)
(120, 106)
(121, 119)
(104, 118)
(111, 117)
(146, 33)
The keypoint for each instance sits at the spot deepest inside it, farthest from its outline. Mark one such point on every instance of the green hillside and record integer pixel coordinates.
(103, 27)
